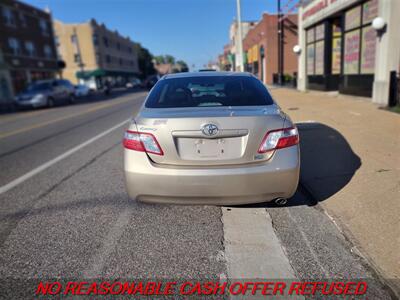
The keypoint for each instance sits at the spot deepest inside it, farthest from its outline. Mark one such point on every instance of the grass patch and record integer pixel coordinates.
(395, 109)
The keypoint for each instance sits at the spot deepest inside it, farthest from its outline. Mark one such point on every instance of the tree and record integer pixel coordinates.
(169, 59)
(159, 59)
(182, 66)
(145, 61)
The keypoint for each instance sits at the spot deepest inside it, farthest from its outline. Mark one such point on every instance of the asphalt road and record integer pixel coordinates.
(73, 219)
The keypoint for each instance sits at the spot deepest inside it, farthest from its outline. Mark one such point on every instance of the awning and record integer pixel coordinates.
(102, 73)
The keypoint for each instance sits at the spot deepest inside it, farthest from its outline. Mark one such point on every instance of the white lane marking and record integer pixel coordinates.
(55, 160)
(252, 249)
(110, 241)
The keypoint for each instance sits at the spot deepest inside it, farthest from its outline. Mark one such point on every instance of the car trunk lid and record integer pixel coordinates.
(209, 135)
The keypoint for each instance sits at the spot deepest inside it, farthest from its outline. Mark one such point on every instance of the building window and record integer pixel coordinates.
(8, 17)
(22, 19)
(44, 27)
(120, 61)
(129, 50)
(105, 41)
(95, 40)
(108, 58)
(74, 39)
(13, 44)
(98, 58)
(30, 49)
(77, 58)
(315, 50)
(48, 52)
(118, 46)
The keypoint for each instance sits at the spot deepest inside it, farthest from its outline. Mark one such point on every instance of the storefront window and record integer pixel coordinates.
(368, 50)
(310, 59)
(360, 39)
(315, 50)
(352, 52)
(336, 47)
(370, 11)
(319, 58)
(353, 18)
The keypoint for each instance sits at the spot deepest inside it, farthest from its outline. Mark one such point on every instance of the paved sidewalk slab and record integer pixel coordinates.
(351, 163)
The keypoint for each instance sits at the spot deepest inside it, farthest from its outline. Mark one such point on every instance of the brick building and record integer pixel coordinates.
(93, 53)
(261, 48)
(27, 45)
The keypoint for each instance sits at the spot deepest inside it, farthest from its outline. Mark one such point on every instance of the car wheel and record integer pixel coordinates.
(50, 102)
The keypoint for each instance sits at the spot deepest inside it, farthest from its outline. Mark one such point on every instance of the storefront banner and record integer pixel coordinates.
(368, 50)
(336, 55)
(352, 52)
(370, 11)
(353, 18)
(319, 58)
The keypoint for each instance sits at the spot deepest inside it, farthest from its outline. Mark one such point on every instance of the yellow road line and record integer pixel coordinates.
(102, 106)
(22, 115)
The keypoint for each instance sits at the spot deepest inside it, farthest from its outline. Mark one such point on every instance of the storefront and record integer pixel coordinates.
(342, 51)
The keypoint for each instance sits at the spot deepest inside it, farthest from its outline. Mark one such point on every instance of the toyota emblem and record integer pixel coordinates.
(210, 129)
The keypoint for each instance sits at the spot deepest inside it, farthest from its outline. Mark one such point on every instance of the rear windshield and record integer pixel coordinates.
(208, 91)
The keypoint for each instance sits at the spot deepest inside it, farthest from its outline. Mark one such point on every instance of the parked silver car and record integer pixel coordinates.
(46, 93)
(211, 138)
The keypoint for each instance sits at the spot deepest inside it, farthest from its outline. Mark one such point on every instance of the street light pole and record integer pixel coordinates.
(239, 23)
(280, 60)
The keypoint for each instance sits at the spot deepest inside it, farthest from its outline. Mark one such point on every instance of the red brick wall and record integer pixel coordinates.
(266, 34)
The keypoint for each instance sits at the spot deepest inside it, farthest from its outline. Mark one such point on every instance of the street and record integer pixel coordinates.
(65, 213)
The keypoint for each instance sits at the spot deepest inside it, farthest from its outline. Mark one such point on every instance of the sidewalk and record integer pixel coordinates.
(351, 164)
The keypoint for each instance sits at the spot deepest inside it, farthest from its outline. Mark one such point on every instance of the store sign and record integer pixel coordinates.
(368, 50)
(351, 52)
(318, 6)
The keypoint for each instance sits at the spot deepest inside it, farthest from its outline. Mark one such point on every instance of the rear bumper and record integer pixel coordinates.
(251, 183)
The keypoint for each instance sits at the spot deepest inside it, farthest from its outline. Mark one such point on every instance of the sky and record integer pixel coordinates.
(192, 30)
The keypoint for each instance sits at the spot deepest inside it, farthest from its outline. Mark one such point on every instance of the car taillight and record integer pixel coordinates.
(278, 139)
(141, 141)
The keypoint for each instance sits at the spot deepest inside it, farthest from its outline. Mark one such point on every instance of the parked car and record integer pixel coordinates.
(135, 83)
(81, 90)
(46, 93)
(211, 138)
(151, 81)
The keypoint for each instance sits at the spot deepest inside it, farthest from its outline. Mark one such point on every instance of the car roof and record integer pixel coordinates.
(205, 74)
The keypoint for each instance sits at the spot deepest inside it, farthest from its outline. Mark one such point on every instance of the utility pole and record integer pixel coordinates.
(280, 45)
(239, 24)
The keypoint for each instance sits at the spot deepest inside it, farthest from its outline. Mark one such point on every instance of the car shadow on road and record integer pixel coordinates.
(328, 163)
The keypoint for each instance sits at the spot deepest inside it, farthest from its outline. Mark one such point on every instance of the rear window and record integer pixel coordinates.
(208, 91)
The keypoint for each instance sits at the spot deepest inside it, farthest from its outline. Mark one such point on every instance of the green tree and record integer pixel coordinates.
(145, 61)
(159, 59)
(169, 59)
(182, 66)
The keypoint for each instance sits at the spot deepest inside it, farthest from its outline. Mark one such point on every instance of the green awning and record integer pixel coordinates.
(102, 72)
